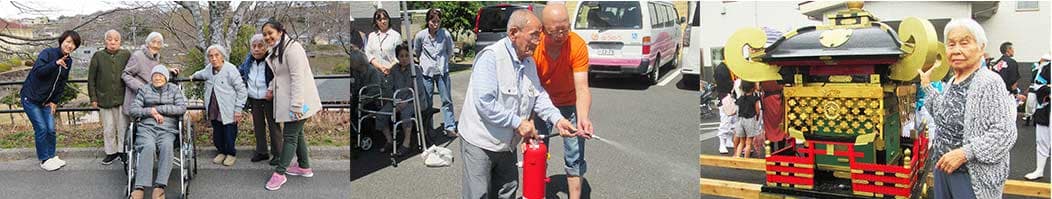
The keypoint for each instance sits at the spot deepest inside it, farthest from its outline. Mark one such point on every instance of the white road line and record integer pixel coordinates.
(669, 78)
(709, 135)
(710, 128)
(710, 123)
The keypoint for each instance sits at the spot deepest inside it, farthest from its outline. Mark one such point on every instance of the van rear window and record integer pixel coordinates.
(609, 15)
(495, 19)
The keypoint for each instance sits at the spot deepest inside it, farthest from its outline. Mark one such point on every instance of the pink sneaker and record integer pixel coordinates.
(296, 170)
(275, 182)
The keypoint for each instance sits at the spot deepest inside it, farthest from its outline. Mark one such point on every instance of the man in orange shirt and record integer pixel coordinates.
(562, 67)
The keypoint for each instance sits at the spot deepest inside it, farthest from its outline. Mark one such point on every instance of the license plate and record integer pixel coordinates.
(609, 52)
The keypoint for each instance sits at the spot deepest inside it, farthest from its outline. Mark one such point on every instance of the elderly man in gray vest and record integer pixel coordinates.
(503, 92)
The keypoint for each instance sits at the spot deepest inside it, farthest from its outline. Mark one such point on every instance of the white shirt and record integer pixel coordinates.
(257, 80)
(381, 47)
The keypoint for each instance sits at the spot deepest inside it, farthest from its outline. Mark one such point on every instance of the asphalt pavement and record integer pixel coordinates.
(649, 150)
(87, 178)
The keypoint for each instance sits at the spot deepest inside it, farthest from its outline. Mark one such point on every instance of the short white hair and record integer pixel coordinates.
(154, 35)
(968, 24)
(222, 51)
(256, 38)
(111, 31)
(520, 18)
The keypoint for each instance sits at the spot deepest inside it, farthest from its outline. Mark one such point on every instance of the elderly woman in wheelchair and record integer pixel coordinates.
(388, 96)
(157, 110)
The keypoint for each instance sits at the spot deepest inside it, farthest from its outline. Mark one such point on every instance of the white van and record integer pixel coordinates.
(628, 37)
(691, 59)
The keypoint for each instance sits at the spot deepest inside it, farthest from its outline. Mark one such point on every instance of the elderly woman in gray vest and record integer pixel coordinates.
(158, 108)
(972, 144)
(225, 95)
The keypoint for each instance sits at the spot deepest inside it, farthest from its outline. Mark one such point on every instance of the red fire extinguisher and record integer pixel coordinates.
(534, 169)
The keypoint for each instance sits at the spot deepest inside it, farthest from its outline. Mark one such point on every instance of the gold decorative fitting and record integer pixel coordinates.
(855, 5)
(755, 71)
(835, 38)
(919, 46)
(831, 109)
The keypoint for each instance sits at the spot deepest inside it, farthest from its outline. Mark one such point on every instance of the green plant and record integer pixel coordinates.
(71, 92)
(10, 63)
(240, 46)
(195, 61)
(11, 99)
(457, 16)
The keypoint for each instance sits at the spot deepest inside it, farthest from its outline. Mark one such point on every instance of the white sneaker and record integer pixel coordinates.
(1034, 175)
(52, 164)
(60, 161)
(723, 150)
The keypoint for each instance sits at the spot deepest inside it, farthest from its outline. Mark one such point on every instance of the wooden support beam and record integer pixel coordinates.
(734, 163)
(1012, 187)
(729, 188)
(1027, 188)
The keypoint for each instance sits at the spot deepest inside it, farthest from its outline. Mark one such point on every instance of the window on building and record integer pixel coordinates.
(1027, 6)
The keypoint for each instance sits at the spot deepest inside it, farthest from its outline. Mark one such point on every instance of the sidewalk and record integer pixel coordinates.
(204, 151)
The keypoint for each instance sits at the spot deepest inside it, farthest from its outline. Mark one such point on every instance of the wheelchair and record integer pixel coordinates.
(369, 106)
(185, 159)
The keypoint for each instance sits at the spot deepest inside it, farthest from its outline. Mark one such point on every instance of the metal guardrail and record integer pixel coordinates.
(176, 80)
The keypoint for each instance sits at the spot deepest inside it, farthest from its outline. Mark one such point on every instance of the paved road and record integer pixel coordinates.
(86, 178)
(651, 153)
(1022, 157)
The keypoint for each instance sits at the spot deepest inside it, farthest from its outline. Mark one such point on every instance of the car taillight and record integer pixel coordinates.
(646, 45)
(686, 37)
(479, 14)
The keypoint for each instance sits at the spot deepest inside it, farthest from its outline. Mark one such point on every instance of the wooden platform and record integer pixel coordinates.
(749, 190)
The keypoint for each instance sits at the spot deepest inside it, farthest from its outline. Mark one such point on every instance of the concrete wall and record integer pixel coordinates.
(721, 19)
(1006, 25)
(1027, 30)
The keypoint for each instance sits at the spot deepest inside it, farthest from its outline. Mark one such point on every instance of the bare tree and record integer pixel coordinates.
(27, 9)
(195, 11)
(236, 21)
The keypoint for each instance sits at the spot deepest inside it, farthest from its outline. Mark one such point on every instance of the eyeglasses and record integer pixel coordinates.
(557, 33)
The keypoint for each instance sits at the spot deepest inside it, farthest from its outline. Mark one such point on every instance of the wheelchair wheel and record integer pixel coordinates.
(366, 143)
(130, 160)
(184, 181)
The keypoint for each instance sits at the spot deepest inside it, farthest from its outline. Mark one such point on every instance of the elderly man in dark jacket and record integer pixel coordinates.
(1008, 68)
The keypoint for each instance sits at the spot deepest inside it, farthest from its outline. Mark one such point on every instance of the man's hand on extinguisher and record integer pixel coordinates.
(566, 129)
(526, 129)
